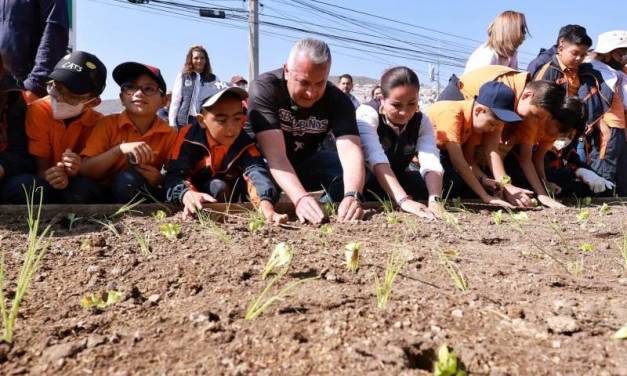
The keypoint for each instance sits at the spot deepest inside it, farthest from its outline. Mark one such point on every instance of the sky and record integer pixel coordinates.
(118, 31)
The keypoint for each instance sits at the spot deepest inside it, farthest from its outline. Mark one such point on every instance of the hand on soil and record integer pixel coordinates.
(350, 210)
(518, 196)
(418, 209)
(308, 210)
(192, 202)
(549, 202)
(57, 177)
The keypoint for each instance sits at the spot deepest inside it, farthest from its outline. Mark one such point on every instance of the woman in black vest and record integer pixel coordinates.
(191, 86)
(392, 132)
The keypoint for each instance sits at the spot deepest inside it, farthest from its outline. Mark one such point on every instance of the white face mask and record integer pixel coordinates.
(561, 143)
(62, 110)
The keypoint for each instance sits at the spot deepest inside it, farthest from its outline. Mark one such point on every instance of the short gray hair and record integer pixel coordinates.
(315, 50)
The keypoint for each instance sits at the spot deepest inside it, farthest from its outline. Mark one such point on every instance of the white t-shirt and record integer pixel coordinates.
(428, 152)
(485, 55)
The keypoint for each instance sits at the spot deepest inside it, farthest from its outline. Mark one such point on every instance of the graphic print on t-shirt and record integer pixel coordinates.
(300, 127)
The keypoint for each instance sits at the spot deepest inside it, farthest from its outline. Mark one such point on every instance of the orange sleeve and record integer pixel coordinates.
(526, 132)
(448, 126)
(99, 140)
(38, 129)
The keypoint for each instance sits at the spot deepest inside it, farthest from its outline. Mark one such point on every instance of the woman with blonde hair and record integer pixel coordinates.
(191, 87)
(505, 34)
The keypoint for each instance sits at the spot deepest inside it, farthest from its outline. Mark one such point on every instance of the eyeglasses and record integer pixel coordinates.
(61, 93)
(147, 90)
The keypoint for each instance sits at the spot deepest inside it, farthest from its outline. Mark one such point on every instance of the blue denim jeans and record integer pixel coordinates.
(129, 183)
(80, 190)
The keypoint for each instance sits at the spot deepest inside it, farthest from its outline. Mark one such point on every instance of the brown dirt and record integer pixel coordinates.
(183, 306)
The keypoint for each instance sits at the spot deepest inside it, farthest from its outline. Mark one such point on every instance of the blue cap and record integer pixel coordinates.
(500, 99)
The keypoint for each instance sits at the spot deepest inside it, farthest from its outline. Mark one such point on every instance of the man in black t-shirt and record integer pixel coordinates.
(291, 110)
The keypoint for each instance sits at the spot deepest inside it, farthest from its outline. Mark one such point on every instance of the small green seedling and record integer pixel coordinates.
(395, 264)
(621, 333)
(281, 257)
(171, 231)
(159, 215)
(454, 272)
(329, 209)
(325, 232)
(520, 217)
(351, 252)
(604, 209)
(129, 207)
(204, 218)
(143, 241)
(107, 224)
(587, 201)
(85, 245)
(96, 300)
(586, 247)
(36, 247)
(534, 202)
(391, 216)
(506, 180)
(259, 305)
(575, 268)
(452, 220)
(583, 216)
(72, 218)
(256, 220)
(497, 217)
(447, 363)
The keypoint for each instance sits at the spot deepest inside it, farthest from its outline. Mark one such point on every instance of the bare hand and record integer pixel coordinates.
(308, 210)
(552, 187)
(436, 208)
(151, 174)
(418, 209)
(141, 151)
(57, 177)
(490, 185)
(549, 202)
(497, 201)
(71, 162)
(271, 216)
(192, 202)
(518, 196)
(350, 210)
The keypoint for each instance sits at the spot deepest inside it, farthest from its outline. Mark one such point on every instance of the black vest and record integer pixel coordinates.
(399, 149)
(187, 91)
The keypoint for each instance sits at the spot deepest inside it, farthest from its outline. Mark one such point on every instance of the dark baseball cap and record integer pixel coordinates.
(130, 71)
(81, 73)
(218, 89)
(237, 79)
(500, 99)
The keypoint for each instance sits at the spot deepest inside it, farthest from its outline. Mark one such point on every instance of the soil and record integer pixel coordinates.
(527, 311)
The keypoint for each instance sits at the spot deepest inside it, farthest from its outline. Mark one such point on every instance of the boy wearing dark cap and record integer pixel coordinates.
(127, 151)
(58, 127)
(458, 123)
(212, 153)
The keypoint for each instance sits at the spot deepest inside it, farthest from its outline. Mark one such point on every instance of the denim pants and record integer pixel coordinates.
(80, 190)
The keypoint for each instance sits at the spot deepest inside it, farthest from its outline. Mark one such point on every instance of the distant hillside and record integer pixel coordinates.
(357, 80)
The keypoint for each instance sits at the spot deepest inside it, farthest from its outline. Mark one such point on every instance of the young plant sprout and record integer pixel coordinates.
(447, 363)
(281, 257)
(171, 231)
(391, 216)
(395, 264)
(586, 247)
(587, 201)
(72, 218)
(129, 207)
(97, 301)
(575, 268)
(159, 215)
(329, 209)
(204, 218)
(454, 272)
(520, 217)
(143, 241)
(604, 209)
(351, 252)
(506, 180)
(37, 245)
(621, 333)
(583, 216)
(107, 224)
(497, 217)
(259, 305)
(256, 220)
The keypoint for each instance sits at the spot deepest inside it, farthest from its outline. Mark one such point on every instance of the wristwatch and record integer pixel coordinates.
(356, 195)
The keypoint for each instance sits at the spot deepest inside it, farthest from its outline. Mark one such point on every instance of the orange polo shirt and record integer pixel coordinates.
(117, 129)
(615, 116)
(48, 138)
(571, 79)
(452, 122)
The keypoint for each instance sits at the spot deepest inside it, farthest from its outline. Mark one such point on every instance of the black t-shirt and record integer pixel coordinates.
(304, 129)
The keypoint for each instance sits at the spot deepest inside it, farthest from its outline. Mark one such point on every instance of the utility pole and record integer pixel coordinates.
(253, 39)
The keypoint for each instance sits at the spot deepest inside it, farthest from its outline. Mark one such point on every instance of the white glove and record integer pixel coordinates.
(596, 183)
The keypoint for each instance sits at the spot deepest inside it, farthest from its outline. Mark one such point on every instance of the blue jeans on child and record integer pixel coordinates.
(80, 190)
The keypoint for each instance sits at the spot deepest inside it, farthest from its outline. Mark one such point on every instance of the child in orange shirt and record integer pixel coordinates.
(57, 127)
(127, 151)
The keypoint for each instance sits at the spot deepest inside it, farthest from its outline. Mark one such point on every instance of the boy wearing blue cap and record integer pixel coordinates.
(212, 153)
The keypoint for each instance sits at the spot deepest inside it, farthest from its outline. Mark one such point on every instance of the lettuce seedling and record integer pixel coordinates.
(96, 300)
(621, 333)
(447, 363)
(72, 218)
(159, 215)
(497, 217)
(586, 247)
(171, 231)
(583, 215)
(506, 180)
(604, 209)
(351, 252)
(256, 220)
(281, 257)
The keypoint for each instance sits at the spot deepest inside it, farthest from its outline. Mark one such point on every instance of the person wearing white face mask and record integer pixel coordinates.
(57, 127)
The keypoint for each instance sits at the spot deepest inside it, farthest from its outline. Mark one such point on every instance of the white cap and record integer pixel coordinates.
(217, 90)
(611, 40)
